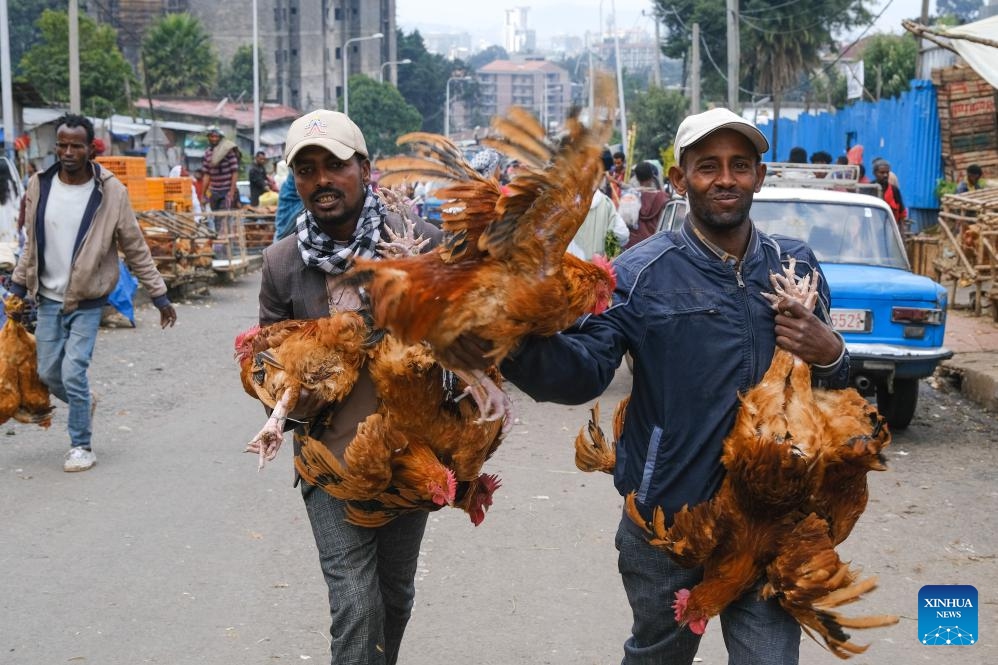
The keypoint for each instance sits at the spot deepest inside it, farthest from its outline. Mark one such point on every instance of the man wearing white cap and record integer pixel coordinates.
(370, 572)
(688, 307)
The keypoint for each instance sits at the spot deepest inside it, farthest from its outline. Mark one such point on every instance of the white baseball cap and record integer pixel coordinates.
(696, 127)
(331, 130)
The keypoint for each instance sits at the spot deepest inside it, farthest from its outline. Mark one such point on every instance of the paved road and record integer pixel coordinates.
(174, 550)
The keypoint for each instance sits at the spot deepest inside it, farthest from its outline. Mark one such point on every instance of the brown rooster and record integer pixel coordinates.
(323, 355)
(796, 463)
(23, 396)
(501, 272)
(425, 403)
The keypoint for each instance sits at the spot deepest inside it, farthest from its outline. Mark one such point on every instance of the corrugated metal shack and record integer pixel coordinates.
(904, 130)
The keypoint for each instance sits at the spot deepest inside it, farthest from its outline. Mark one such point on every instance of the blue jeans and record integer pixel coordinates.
(370, 574)
(756, 632)
(65, 345)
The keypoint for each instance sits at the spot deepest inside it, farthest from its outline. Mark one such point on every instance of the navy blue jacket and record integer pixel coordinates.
(700, 333)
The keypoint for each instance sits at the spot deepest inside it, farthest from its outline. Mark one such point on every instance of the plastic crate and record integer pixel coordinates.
(154, 193)
(123, 167)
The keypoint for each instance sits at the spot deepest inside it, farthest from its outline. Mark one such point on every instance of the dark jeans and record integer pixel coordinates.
(755, 632)
(370, 574)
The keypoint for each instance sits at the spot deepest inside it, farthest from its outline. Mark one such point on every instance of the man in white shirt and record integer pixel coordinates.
(77, 218)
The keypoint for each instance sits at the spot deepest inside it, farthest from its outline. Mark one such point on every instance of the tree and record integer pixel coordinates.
(237, 78)
(423, 83)
(889, 63)
(381, 113)
(965, 10)
(177, 57)
(103, 69)
(22, 17)
(656, 116)
(786, 34)
(484, 57)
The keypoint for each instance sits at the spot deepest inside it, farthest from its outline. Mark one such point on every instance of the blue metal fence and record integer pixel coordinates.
(903, 130)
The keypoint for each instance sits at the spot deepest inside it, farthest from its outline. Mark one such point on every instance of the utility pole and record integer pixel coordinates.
(74, 57)
(695, 71)
(256, 84)
(8, 86)
(734, 46)
(620, 77)
(924, 19)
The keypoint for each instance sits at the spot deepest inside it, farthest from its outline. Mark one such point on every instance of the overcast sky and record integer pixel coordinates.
(548, 18)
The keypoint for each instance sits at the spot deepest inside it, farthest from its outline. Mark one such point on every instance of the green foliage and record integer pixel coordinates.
(381, 113)
(486, 56)
(829, 88)
(22, 19)
(894, 57)
(944, 187)
(177, 57)
(103, 69)
(611, 246)
(237, 78)
(780, 40)
(422, 83)
(656, 116)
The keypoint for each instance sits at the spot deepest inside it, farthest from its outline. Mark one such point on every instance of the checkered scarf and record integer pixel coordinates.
(318, 250)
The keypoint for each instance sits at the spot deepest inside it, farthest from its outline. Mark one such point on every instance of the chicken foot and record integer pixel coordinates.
(399, 245)
(789, 286)
(268, 441)
(493, 403)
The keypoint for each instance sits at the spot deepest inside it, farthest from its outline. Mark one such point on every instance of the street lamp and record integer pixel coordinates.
(406, 61)
(346, 70)
(447, 101)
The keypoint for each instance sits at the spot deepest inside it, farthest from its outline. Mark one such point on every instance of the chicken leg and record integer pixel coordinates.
(492, 402)
(268, 440)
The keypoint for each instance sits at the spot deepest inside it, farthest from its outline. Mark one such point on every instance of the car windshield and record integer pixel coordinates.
(836, 232)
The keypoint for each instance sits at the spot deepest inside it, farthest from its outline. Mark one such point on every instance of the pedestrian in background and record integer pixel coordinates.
(890, 193)
(601, 222)
(653, 200)
(221, 172)
(77, 219)
(259, 181)
(972, 181)
(369, 571)
(289, 206)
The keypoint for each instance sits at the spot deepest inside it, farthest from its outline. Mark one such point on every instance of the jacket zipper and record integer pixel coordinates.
(749, 320)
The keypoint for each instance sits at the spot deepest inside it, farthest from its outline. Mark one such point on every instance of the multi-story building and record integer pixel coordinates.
(303, 43)
(538, 85)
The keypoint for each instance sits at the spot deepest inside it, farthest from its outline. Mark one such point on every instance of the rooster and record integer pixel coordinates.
(502, 272)
(426, 406)
(322, 355)
(23, 396)
(796, 462)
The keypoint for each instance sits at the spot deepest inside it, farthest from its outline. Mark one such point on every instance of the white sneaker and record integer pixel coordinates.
(79, 459)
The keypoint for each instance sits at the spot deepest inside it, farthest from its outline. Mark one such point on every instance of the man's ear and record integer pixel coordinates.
(365, 171)
(678, 180)
(760, 170)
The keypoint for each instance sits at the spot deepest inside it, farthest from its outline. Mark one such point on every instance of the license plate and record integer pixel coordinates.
(849, 320)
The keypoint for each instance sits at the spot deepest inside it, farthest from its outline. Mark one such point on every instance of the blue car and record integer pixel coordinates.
(893, 321)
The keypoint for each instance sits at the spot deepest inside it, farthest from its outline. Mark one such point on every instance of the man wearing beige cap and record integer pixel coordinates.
(689, 309)
(369, 572)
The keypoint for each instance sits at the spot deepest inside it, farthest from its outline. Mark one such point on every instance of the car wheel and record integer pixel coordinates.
(898, 407)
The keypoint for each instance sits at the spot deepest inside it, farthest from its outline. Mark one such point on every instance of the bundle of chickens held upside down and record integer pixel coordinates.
(501, 273)
(795, 484)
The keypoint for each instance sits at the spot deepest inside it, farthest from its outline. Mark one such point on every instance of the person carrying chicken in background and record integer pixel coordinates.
(77, 218)
(369, 571)
(689, 308)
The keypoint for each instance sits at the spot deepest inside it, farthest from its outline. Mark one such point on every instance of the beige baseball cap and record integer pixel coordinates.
(696, 127)
(331, 130)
